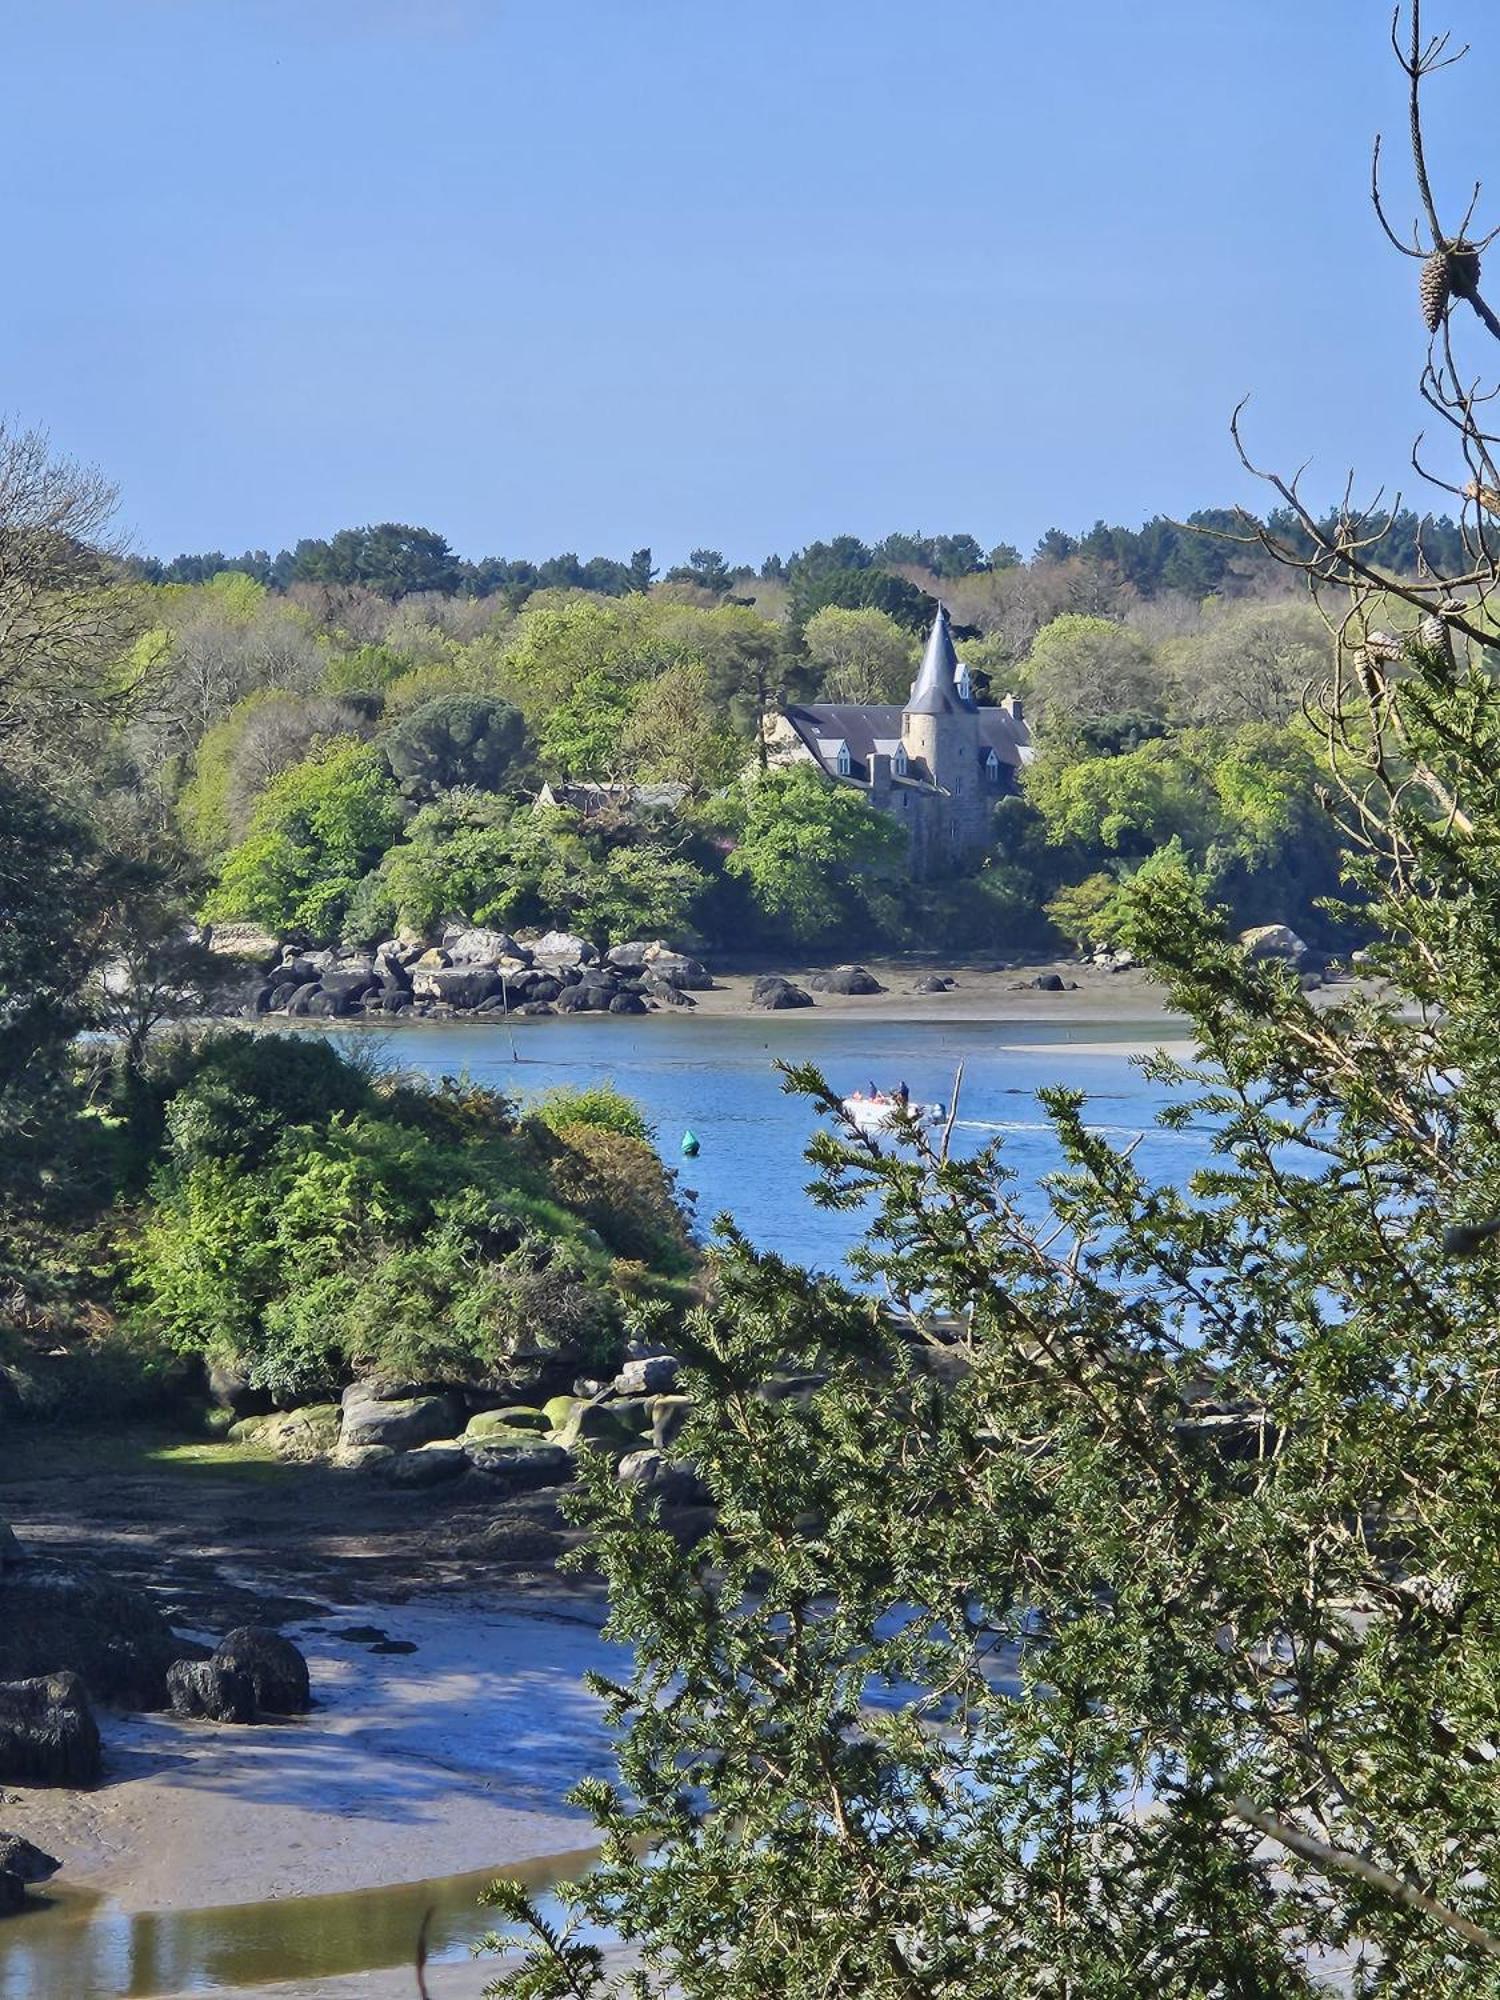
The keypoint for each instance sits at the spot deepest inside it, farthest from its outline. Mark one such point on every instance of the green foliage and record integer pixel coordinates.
(501, 862)
(598, 1104)
(1091, 674)
(810, 851)
(1122, 1617)
(860, 655)
(309, 1220)
(452, 741)
(315, 832)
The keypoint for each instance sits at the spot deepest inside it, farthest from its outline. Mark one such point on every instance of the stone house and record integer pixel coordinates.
(937, 765)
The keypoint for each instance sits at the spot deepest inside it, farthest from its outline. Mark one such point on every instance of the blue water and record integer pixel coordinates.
(717, 1076)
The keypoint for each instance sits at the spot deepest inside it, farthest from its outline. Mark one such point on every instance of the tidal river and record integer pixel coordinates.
(717, 1077)
(492, 1701)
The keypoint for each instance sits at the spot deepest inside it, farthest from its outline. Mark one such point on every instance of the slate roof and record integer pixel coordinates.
(876, 727)
(934, 691)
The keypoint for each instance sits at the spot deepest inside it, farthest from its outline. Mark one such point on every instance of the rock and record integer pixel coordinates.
(11, 1552)
(582, 999)
(846, 979)
(1048, 982)
(534, 1007)
(933, 983)
(210, 1691)
(109, 1634)
(481, 947)
(1310, 981)
(428, 1465)
(650, 1376)
(12, 1893)
(773, 993)
(362, 1457)
(349, 983)
(460, 985)
(48, 1735)
(247, 941)
(675, 968)
(664, 993)
(564, 946)
(656, 1474)
(298, 1435)
(505, 1423)
(627, 1003)
(393, 1001)
(631, 957)
(790, 1388)
(27, 1863)
(1273, 941)
(398, 1423)
(522, 1466)
(301, 1001)
(326, 1006)
(618, 1424)
(430, 961)
(274, 1666)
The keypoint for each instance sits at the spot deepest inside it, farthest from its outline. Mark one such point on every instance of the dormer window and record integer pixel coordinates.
(991, 765)
(963, 684)
(843, 763)
(900, 762)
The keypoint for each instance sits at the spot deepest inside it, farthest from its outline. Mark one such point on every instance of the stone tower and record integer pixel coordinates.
(940, 729)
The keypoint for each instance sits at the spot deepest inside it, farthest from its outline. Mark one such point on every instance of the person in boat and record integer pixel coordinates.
(903, 1095)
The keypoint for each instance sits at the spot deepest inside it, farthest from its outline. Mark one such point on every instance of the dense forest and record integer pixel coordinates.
(345, 740)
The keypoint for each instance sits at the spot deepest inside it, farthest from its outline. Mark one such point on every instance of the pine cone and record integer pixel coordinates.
(1433, 290)
(1452, 272)
(1433, 633)
(1463, 268)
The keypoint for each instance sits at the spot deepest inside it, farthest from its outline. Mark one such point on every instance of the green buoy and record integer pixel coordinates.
(690, 1144)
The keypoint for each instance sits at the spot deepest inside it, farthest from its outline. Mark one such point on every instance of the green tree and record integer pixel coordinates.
(390, 558)
(315, 832)
(1093, 674)
(811, 852)
(473, 740)
(860, 656)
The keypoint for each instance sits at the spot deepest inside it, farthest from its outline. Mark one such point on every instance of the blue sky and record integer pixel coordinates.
(587, 274)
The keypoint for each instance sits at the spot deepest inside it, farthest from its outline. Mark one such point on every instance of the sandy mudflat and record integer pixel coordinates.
(452, 1758)
(979, 994)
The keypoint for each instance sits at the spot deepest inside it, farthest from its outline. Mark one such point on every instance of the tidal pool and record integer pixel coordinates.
(76, 1946)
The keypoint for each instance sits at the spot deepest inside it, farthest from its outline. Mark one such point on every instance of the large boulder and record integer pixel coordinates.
(399, 1423)
(654, 1473)
(1273, 941)
(48, 1735)
(428, 1465)
(27, 1863)
(651, 1375)
(562, 947)
(503, 1425)
(773, 993)
(627, 1003)
(273, 1666)
(521, 1464)
(675, 968)
(211, 1691)
(664, 993)
(349, 983)
(482, 947)
(460, 985)
(299, 1435)
(248, 942)
(845, 979)
(230, 1388)
(300, 1002)
(582, 999)
(56, 1620)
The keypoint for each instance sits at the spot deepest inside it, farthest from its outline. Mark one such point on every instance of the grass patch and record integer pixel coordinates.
(253, 1461)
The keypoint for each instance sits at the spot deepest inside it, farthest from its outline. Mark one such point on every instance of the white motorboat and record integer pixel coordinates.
(883, 1111)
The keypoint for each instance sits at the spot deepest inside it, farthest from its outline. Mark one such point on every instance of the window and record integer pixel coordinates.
(899, 762)
(963, 684)
(991, 765)
(844, 763)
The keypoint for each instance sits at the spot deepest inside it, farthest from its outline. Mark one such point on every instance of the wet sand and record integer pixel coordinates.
(980, 993)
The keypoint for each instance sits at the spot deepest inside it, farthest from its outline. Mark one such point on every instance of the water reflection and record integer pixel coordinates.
(84, 1947)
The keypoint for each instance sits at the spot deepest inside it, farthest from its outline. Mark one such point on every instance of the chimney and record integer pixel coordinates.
(1011, 703)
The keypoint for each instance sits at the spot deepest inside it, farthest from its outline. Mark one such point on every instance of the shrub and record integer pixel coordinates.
(596, 1104)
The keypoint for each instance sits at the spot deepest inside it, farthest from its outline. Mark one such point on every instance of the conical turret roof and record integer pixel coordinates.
(935, 691)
